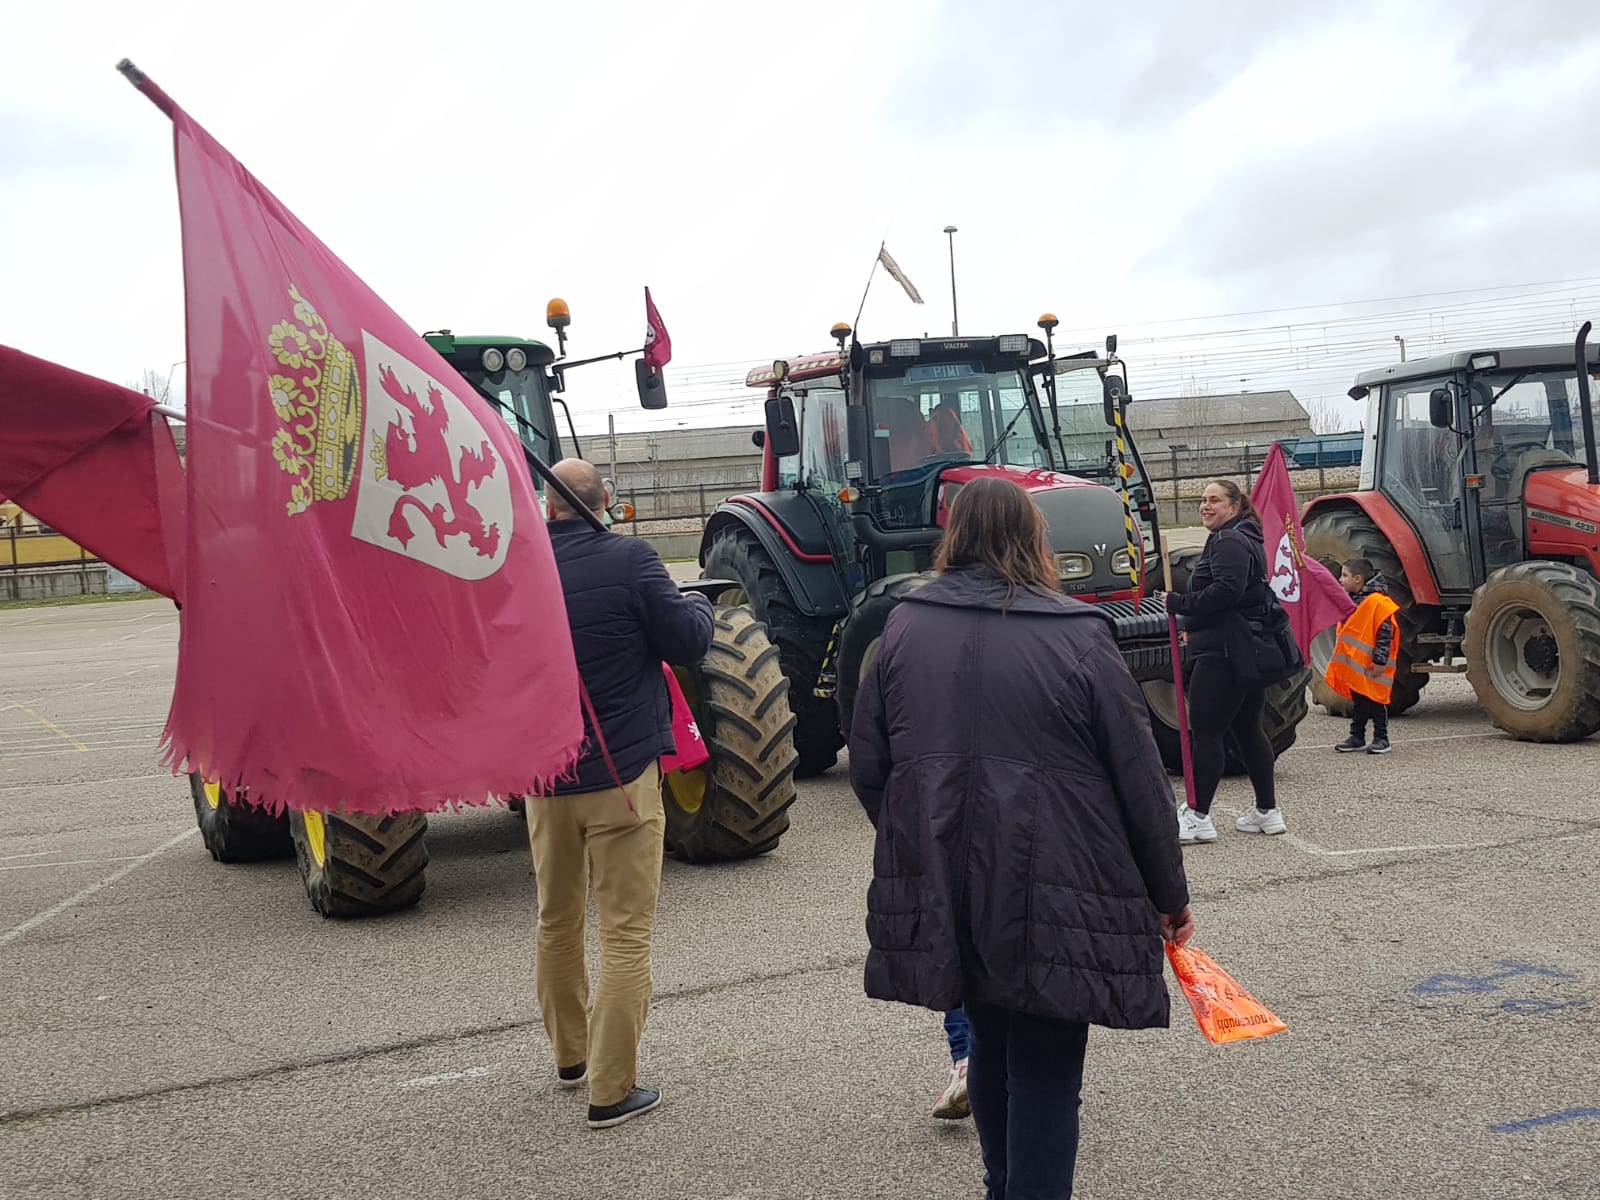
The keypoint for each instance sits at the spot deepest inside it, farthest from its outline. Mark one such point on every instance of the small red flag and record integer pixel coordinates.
(1311, 596)
(94, 461)
(372, 616)
(690, 749)
(657, 342)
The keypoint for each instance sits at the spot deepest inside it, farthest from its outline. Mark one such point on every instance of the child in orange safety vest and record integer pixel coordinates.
(1363, 665)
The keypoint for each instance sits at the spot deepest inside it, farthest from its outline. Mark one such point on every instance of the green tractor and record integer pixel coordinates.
(735, 806)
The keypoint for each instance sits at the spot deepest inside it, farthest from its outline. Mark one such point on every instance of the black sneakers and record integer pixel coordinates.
(1379, 746)
(635, 1104)
(1352, 745)
(571, 1077)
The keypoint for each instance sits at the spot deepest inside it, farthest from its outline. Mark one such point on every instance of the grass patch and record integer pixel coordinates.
(64, 601)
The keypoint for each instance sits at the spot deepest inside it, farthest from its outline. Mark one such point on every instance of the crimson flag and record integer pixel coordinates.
(690, 751)
(657, 342)
(372, 618)
(1311, 596)
(94, 461)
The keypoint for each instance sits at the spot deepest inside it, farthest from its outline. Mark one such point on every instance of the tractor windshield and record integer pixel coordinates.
(520, 398)
(933, 414)
(1530, 412)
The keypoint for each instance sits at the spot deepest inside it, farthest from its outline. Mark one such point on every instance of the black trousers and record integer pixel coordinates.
(1218, 706)
(1364, 709)
(1024, 1079)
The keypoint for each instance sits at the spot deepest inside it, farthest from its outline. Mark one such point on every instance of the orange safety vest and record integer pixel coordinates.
(1351, 670)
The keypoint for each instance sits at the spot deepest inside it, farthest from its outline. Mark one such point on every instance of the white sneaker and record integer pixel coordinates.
(953, 1104)
(1192, 827)
(1256, 821)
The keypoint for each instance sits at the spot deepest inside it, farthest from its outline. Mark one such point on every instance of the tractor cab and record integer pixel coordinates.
(524, 379)
(1485, 453)
(864, 450)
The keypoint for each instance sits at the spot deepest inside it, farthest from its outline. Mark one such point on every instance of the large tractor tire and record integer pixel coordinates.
(863, 633)
(1533, 651)
(235, 831)
(1335, 537)
(360, 865)
(737, 805)
(1286, 702)
(802, 642)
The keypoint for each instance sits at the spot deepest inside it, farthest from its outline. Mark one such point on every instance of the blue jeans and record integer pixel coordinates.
(959, 1034)
(1024, 1078)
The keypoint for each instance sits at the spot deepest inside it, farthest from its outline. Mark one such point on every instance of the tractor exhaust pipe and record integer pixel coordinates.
(1591, 452)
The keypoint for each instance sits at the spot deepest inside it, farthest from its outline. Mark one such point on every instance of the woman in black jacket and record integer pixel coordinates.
(1025, 863)
(1231, 576)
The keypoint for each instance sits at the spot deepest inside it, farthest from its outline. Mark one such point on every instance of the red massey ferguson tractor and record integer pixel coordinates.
(1480, 503)
(864, 450)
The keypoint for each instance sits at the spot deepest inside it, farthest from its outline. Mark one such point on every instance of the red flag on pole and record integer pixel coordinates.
(657, 342)
(94, 461)
(373, 618)
(1311, 596)
(690, 748)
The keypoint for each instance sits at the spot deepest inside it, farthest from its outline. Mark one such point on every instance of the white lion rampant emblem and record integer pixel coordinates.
(1285, 577)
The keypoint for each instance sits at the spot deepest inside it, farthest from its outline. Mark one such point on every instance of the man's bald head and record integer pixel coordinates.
(583, 478)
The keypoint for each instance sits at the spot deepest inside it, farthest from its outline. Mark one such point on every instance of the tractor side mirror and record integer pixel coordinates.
(1114, 394)
(1441, 408)
(1142, 500)
(652, 387)
(783, 430)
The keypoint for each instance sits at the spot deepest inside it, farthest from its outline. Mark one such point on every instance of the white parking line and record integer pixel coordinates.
(30, 854)
(77, 898)
(428, 1081)
(23, 787)
(1307, 846)
(75, 862)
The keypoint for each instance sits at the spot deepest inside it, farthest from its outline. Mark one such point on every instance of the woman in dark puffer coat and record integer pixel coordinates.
(1027, 866)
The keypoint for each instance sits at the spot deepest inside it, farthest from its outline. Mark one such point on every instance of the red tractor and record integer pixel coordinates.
(864, 449)
(1480, 503)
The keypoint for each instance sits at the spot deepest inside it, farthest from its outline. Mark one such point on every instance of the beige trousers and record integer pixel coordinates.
(575, 838)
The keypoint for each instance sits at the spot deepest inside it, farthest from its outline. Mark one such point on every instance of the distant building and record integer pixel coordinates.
(1210, 422)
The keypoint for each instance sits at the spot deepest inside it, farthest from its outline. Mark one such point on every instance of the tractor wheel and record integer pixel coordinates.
(737, 804)
(1533, 651)
(1286, 702)
(236, 831)
(858, 642)
(360, 864)
(1346, 533)
(802, 642)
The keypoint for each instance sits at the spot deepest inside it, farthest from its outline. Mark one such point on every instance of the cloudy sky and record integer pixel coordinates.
(1252, 194)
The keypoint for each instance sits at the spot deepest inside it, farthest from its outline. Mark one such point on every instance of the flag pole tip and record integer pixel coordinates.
(132, 72)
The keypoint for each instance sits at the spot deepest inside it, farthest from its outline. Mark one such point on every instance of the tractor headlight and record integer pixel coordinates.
(1013, 343)
(1122, 562)
(905, 348)
(516, 358)
(493, 360)
(1074, 566)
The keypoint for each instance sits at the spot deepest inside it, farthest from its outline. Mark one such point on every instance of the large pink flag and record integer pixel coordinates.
(1311, 596)
(372, 617)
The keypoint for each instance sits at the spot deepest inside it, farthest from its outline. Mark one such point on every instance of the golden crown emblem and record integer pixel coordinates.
(319, 405)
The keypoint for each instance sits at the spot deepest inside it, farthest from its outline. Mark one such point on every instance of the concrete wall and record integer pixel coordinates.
(49, 583)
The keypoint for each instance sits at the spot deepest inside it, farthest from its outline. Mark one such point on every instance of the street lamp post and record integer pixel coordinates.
(955, 318)
(1402, 342)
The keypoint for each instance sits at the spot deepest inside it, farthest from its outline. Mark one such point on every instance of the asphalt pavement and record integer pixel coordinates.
(171, 1027)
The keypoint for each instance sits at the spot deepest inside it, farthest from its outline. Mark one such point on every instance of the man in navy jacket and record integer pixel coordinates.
(607, 823)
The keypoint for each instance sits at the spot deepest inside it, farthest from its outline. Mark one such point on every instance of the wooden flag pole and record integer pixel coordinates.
(1177, 679)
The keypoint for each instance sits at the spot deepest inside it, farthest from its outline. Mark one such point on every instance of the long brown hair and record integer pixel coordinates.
(1235, 495)
(994, 524)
